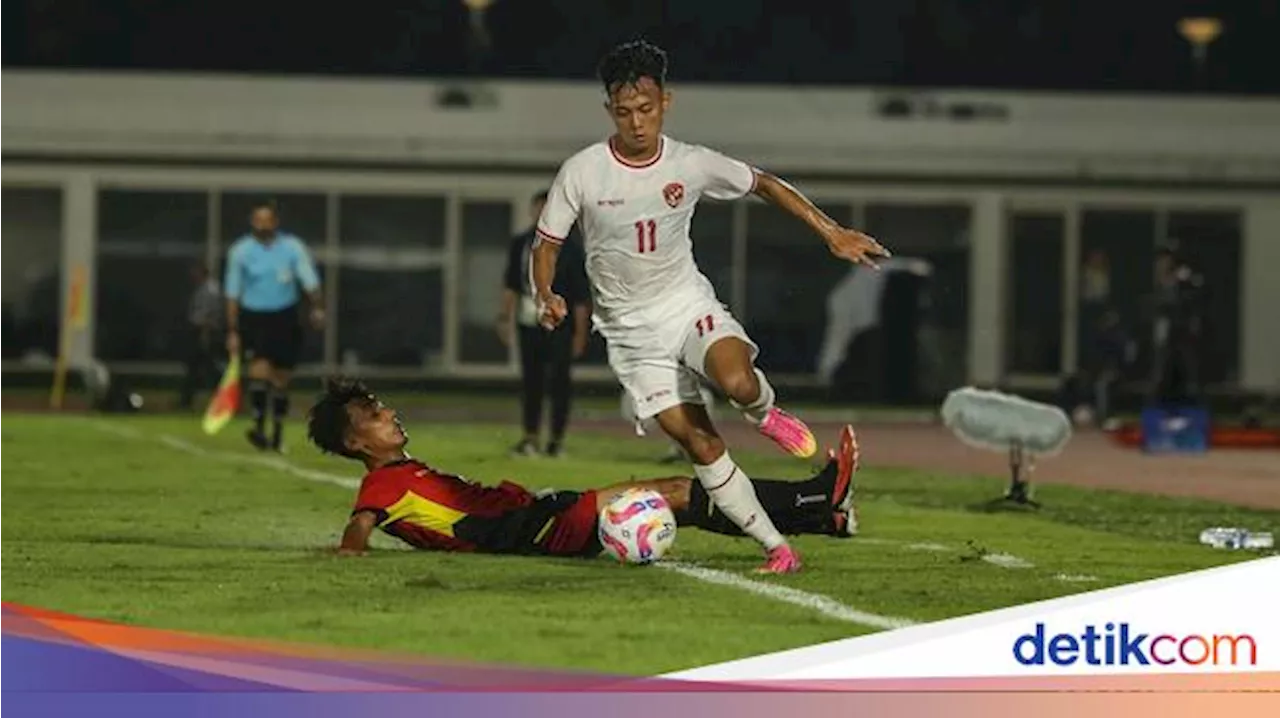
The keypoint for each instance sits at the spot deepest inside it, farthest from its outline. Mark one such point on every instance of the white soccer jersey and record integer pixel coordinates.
(635, 220)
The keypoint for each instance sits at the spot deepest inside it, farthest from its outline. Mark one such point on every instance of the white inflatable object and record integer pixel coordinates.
(1004, 422)
(1021, 428)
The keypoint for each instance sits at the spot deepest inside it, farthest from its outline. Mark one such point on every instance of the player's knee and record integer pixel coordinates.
(741, 385)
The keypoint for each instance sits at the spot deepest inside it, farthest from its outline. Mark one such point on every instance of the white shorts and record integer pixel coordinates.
(662, 364)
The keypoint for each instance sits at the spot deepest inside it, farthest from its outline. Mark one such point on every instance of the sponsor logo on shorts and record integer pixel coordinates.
(656, 395)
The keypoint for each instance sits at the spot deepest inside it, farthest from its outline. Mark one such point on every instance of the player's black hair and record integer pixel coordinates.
(328, 421)
(627, 63)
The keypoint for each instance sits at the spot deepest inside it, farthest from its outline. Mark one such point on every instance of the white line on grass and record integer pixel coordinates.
(1004, 560)
(825, 605)
(828, 607)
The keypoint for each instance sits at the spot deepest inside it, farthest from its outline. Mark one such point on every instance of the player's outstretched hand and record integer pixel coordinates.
(856, 247)
(346, 552)
(552, 311)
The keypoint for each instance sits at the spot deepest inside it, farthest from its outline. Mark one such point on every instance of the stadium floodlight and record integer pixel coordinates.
(1200, 32)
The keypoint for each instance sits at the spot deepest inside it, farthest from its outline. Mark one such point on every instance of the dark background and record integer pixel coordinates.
(1097, 45)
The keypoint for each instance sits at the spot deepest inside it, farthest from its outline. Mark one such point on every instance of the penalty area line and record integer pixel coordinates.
(818, 603)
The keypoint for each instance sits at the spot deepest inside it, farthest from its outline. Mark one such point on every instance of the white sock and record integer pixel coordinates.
(731, 490)
(758, 409)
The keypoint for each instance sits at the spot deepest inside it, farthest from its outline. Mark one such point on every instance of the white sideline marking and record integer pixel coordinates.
(827, 606)
(928, 547)
(1004, 560)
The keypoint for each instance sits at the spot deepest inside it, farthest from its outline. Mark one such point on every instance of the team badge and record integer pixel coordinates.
(673, 193)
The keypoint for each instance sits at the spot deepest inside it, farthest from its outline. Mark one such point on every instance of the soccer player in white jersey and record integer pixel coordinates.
(634, 196)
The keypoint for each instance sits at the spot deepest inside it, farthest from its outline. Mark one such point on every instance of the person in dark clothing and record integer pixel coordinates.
(545, 357)
(1177, 304)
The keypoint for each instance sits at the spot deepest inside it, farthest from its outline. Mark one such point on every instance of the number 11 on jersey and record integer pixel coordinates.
(652, 228)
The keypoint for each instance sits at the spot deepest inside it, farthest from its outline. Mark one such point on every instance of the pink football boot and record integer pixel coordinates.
(782, 559)
(789, 433)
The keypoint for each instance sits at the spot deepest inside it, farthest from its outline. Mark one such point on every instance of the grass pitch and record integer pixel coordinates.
(145, 520)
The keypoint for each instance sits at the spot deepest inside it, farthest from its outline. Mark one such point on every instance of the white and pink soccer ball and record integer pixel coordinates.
(637, 527)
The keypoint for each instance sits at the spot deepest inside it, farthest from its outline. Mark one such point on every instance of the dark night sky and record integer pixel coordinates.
(1123, 45)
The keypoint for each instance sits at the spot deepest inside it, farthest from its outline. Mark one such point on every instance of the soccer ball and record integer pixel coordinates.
(638, 526)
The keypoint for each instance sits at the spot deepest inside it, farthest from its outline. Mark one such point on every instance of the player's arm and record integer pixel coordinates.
(309, 278)
(542, 271)
(781, 194)
(843, 242)
(355, 539)
(727, 178)
(558, 215)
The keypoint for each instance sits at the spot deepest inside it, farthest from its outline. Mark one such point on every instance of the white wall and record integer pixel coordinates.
(792, 129)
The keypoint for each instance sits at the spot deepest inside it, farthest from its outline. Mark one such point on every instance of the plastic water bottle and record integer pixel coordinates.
(1235, 538)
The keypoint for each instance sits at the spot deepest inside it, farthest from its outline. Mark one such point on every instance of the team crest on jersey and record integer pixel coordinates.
(673, 193)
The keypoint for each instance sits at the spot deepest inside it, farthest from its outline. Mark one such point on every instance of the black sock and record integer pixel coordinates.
(258, 402)
(795, 507)
(279, 409)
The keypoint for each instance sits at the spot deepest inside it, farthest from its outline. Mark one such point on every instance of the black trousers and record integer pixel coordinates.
(1176, 377)
(201, 365)
(545, 362)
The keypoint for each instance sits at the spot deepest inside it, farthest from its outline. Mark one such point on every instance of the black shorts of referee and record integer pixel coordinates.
(274, 337)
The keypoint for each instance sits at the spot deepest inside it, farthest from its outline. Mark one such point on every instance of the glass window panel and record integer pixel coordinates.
(32, 281)
(712, 233)
(790, 274)
(938, 235)
(148, 242)
(1209, 242)
(406, 221)
(303, 215)
(391, 285)
(1117, 259)
(1033, 342)
(486, 238)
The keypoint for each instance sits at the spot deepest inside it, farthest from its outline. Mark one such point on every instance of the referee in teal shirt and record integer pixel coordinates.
(267, 271)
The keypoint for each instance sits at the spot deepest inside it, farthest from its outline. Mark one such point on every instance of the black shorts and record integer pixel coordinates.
(563, 523)
(274, 336)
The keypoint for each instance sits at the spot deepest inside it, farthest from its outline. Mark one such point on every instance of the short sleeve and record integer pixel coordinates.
(724, 177)
(379, 495)
(564, 203)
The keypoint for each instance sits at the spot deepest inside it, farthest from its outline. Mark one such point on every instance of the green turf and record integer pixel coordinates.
(133, 530)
